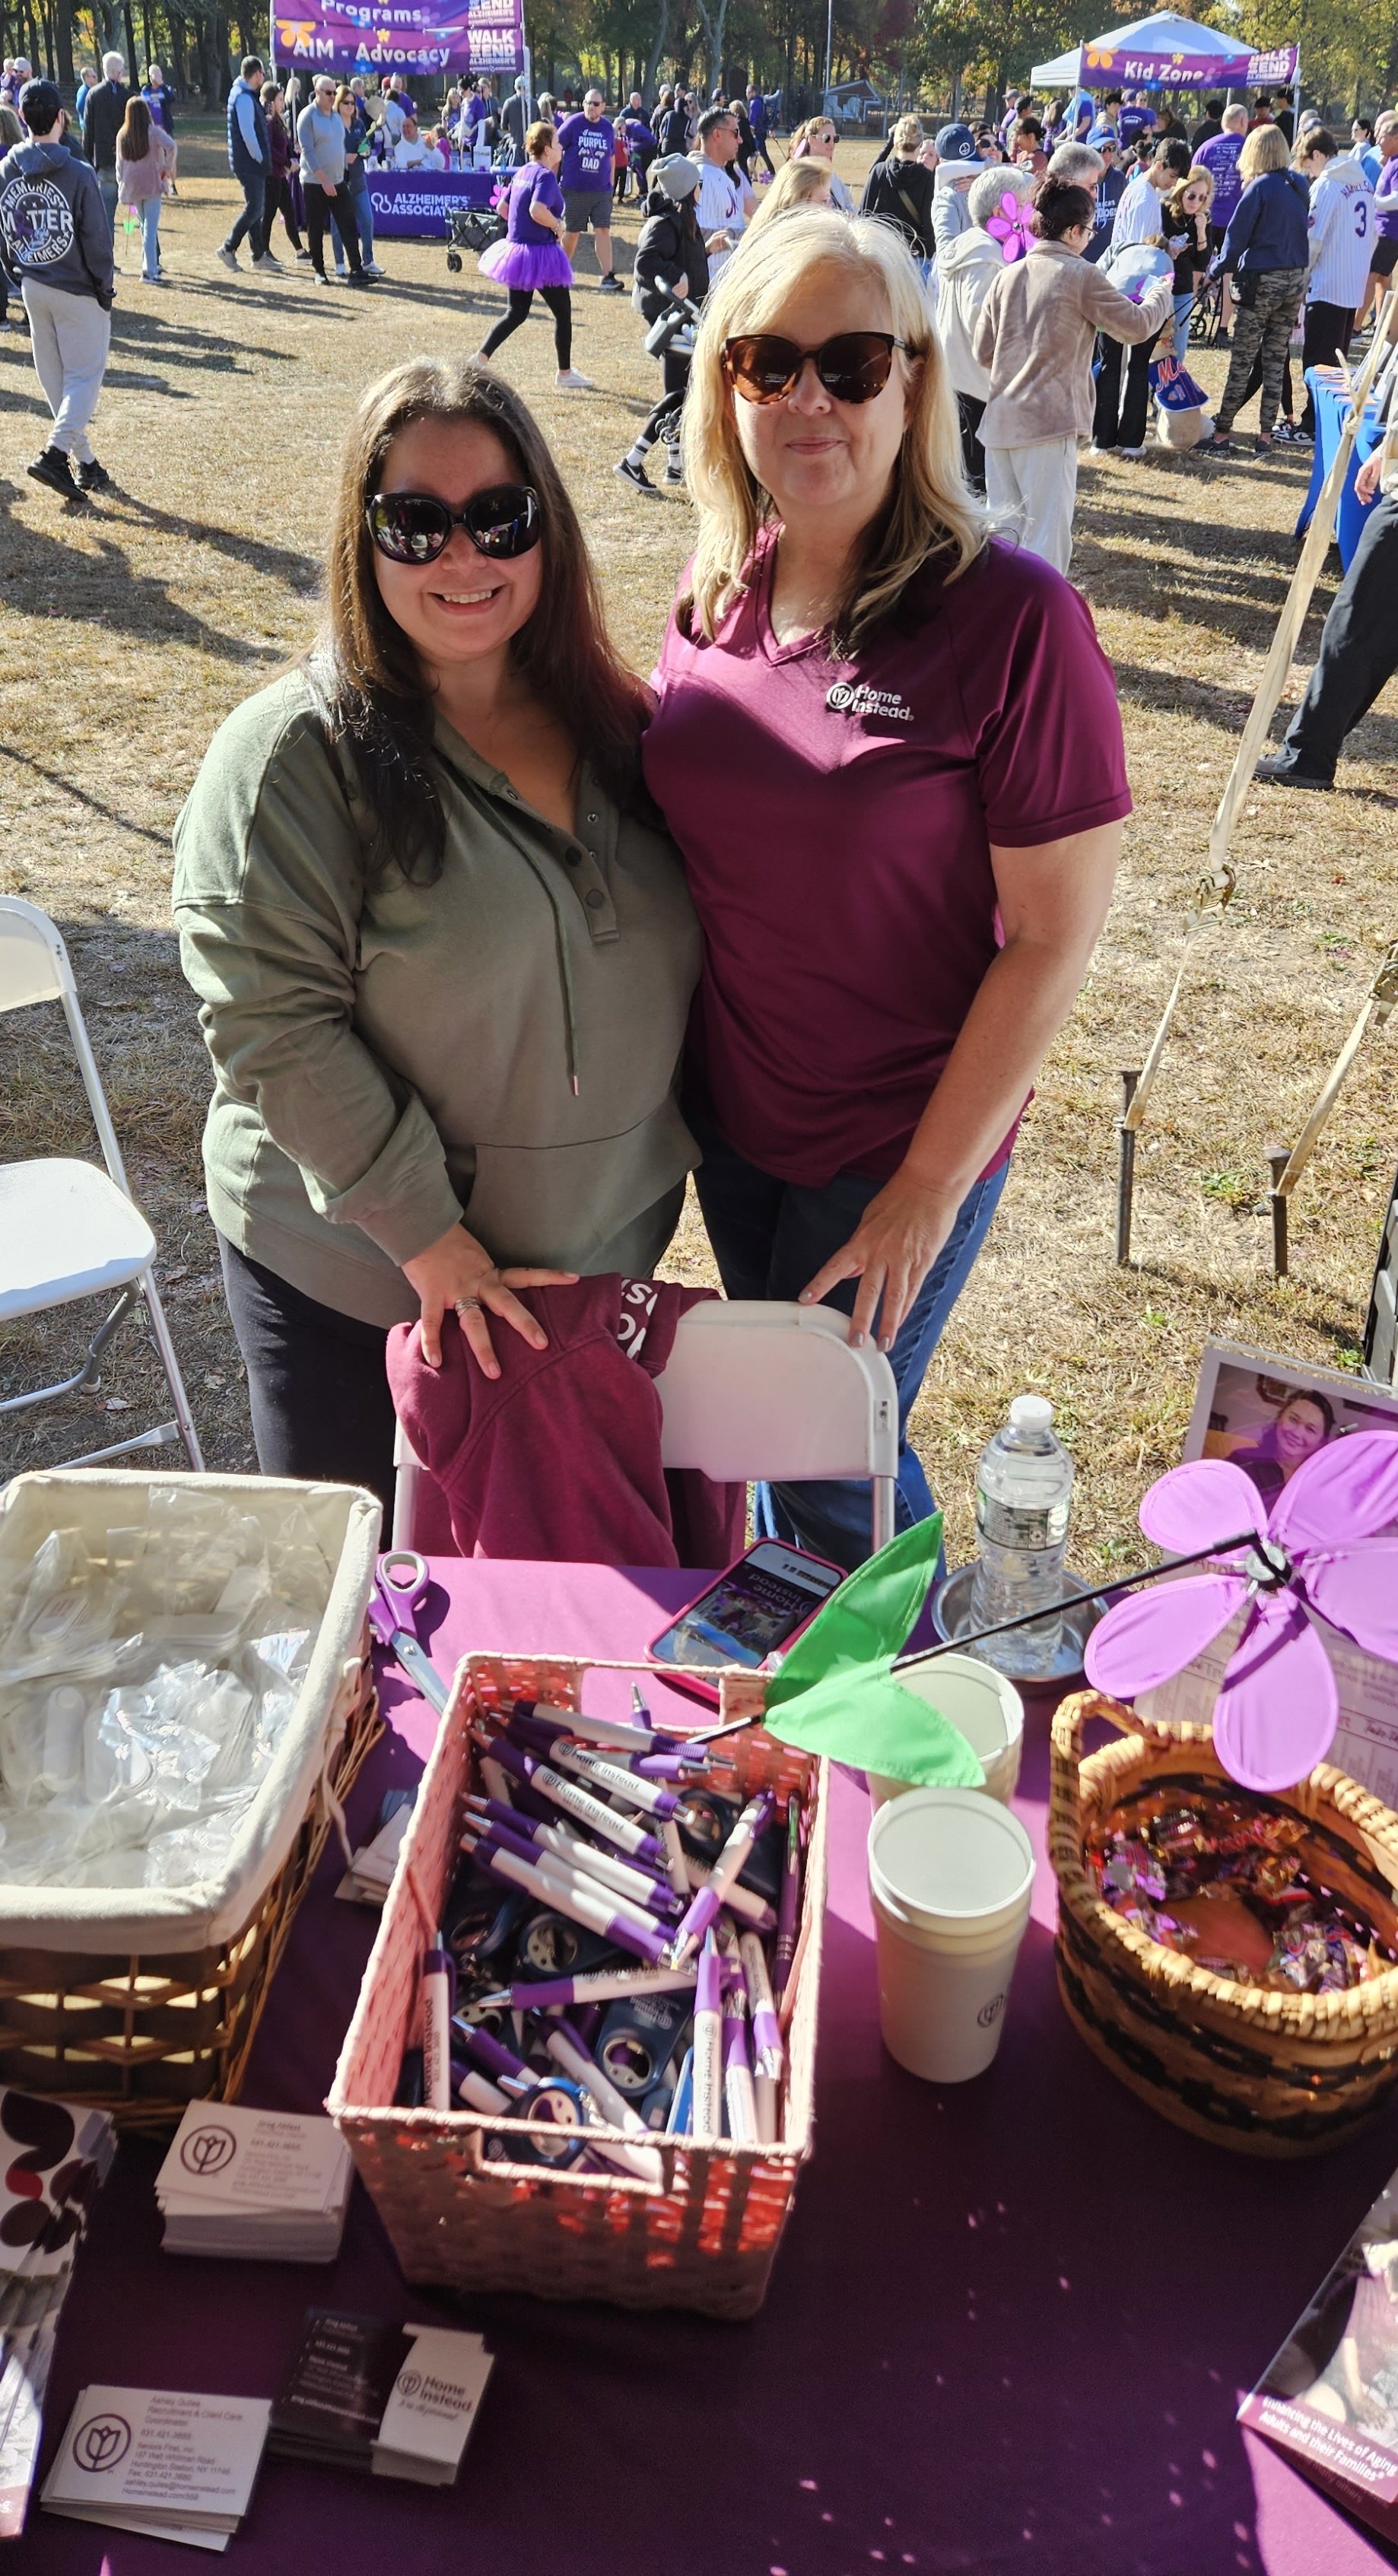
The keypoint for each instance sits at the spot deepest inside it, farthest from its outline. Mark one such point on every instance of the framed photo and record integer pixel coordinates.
(1268, 1415)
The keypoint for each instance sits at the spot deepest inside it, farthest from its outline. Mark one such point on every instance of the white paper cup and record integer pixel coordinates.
(983, 1704)
(951, 1875)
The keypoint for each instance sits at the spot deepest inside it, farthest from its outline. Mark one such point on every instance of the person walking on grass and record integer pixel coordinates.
(250, 160)
(1034, 338)
(320, 133)
(281, 152)
(1359, 647)
(588, 158)
(160, 99)
(56, 238)
(104, 114)
(1265, 250)
(145, 159)
(532, 259)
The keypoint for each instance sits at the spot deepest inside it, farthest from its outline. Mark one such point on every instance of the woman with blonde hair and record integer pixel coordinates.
(1266, 252)
(817, 139)
(921, 737)
(797, 185)
(441, 941)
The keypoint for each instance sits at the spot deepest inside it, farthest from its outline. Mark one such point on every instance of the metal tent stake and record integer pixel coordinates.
(1125, 1169)
(1279, 1156)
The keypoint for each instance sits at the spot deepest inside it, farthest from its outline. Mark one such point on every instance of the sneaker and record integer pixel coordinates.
(1289, 433)
(228, 257)
(1136, 453)
(1095, 450)
(372, 269)
(54, 469)
(1280, 773)
(635, 475)
(610, 285)
(305, 257)
(322, 279)
(93, 477)
(357, 277)
(1223, 339)
(674, 467)
(570, 382)
(265, 259)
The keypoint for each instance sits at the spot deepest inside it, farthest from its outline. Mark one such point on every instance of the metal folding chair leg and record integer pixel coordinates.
(91, 1370)
(160, 1335)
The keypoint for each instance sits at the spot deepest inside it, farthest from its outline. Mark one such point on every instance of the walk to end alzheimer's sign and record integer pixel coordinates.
(462, 36)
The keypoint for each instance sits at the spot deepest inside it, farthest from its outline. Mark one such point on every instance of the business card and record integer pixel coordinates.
(226, 2156)
(161, 2454)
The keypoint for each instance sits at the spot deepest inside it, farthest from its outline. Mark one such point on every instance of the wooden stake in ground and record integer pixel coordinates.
(1214, 892)
(1379, 1002)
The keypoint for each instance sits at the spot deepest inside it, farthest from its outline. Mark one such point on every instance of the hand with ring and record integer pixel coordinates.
(457, 1272)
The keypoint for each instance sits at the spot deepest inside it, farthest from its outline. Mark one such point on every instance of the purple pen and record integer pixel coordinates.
(569, 1895)
(703, 1908)
(499, 2062)
(789, 1909)
(547, 1841)
(769, 2056)
(611, 1779)
(438, 2000)
(614, 1733)
(577, 1801)
(594, 1985)
(739, 2100)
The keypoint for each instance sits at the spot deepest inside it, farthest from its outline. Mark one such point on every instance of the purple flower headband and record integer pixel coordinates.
(1010, 227)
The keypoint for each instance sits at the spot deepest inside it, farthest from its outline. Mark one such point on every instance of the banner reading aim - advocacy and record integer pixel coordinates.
(470, 36)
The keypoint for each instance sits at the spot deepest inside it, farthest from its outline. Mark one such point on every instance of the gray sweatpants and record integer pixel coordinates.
(70, 336)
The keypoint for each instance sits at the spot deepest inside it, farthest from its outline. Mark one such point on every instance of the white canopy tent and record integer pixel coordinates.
(1167, 52)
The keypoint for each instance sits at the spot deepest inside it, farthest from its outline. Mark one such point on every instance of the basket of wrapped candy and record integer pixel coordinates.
(1232, 1957)
(185, 1697)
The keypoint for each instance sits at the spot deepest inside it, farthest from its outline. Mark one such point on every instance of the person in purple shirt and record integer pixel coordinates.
(531, 259)
(1220, 157)
(1383, 258)
(589, 166)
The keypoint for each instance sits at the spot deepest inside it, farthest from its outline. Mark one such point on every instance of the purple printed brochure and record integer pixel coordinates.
(1330, 2397)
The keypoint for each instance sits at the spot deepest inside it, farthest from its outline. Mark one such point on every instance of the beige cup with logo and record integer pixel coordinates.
(985, 1707)
(951, 1876)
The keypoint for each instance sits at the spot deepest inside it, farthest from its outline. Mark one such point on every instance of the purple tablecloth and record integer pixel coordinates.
(1008, 2326)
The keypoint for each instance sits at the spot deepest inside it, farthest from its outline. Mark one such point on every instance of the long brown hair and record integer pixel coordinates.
(134, 137)
(374, 693)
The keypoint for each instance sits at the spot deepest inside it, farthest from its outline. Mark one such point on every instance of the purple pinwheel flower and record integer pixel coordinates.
(1010, 227)
(1317, 1555)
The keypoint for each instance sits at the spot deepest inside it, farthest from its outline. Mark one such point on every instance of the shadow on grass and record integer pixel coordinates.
(80, 796)
(46, 577)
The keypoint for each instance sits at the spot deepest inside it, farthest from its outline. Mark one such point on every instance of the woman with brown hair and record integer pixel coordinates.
(441, 941)
(145, 157)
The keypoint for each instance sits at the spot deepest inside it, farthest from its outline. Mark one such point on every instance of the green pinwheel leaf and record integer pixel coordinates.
(835, 1693)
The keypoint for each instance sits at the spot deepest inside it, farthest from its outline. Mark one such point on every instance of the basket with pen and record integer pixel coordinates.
(491, 2194)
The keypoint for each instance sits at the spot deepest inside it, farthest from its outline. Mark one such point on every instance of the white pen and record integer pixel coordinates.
(578, 1802)
(607, 1778)
(481, 2095)
(738, 1899)
(675, 1864)
(645, 1894)
(704, 1907)
(582, 1900)
(565, 2051)
(768, 2054)
(707, 2120)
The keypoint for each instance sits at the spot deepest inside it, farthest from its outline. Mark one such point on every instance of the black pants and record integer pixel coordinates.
(1327, 334)
(324, 205)
(317, 1387)
(279, 202)
(664, 421)
(248, 227)
(1358, 650)
(1120, 420)
(972, 412)
(560, 305)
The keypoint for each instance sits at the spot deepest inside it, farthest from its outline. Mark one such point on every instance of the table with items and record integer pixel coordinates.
(1331, 398)
(1009, 2321)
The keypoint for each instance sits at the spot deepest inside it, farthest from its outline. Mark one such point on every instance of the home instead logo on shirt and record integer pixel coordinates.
(856, 698)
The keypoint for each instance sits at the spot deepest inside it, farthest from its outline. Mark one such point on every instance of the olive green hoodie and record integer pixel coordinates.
(502, 1044)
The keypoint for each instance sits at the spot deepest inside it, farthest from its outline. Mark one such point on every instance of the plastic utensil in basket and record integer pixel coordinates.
(706, 2236)
(1266, 2073)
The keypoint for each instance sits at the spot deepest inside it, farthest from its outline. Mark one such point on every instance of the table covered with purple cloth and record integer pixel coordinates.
(1008, 2326)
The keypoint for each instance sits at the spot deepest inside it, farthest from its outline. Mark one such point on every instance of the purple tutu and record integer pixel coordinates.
(518, 265)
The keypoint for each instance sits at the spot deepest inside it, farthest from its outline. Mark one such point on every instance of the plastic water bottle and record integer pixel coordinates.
(1024, 1485)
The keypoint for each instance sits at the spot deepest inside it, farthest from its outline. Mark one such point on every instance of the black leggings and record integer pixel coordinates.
(317, 1385)
(321, 205)
(560, 305)
(279, 201)
(664, 421)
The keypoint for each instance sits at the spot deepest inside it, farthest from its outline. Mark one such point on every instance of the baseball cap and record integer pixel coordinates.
(958, 143)
(677, 177)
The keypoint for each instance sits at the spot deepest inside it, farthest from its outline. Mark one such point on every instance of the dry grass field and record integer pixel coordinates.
(129, 631)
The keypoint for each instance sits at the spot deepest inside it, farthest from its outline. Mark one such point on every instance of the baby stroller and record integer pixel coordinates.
(471, 228)
(1206, 320)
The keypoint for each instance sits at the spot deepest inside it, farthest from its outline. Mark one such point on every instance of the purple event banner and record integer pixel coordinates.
(470, 36)
(1121, 67)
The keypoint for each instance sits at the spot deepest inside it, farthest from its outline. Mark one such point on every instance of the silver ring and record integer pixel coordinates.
(468, 1305)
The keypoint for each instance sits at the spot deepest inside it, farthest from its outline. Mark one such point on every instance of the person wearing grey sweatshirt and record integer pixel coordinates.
(56, 241)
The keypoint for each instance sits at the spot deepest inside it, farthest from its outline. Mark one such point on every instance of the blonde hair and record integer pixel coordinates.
(1266, 148)
(907, 135)
(538, 139)
(803, 140)
(1200, 176)
(933, 513)
(796, 187)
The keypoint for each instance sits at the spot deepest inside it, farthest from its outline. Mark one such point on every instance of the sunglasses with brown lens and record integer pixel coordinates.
(853, 367)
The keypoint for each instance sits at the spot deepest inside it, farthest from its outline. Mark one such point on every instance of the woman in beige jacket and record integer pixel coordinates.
(1035, 339)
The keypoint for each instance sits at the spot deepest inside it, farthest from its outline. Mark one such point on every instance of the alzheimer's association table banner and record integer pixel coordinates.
(416, 205)
(463, 36)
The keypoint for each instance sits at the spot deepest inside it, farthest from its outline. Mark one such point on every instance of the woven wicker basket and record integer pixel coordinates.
(1269, 2074)
(142, 2037)
(707, 2237)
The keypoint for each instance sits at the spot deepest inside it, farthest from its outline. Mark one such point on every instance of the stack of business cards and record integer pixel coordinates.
(265, 2185)
(154, 2460)
(364, 2394)
(370, 1873)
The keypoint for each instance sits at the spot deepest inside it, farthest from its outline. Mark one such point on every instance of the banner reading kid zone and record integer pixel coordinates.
(464, 36)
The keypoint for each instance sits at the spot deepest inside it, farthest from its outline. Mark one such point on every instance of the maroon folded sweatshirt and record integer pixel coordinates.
(559, 1457)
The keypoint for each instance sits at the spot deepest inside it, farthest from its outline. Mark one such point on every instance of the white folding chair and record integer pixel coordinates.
(68, 1230)
(753, 1391)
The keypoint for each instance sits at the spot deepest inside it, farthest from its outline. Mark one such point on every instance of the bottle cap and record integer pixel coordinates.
(1031, 1413)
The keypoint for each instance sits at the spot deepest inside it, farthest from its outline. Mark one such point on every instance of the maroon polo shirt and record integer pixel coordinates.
(836, 820)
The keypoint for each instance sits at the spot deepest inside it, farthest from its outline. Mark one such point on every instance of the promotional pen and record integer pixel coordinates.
(768, 2054)
(703, 1908)
(739, 1899)
(509, 2073)
(614, 1731)
(675, 1862)
(573, 1898)
(577, 1802)
(681, 2117)
(789, 1909)
(593, 1986)
(739, 2100)
(563, 2048)
(566, 1875)
(610, 1779)
(478, 2093)
(438, 1998)
(708, 2050)
(639, 1889)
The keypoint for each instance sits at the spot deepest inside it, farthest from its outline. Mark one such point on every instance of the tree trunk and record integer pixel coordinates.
(657, 51)
(63, 33)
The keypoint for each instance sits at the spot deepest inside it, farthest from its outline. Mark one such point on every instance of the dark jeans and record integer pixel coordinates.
(1358, 650)
(1120, 420)
(770, 1238)
(317, 1385)
(249, 224)
(560, 305)
(280, 201)
(1327, 335)
(324, 205)
(972, 412)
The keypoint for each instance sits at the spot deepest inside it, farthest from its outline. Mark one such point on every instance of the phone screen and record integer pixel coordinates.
(751, 1611)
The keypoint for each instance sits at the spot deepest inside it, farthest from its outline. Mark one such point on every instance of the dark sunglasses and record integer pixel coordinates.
(415, 527)
(853, 367)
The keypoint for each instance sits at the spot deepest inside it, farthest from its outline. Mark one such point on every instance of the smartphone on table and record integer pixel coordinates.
(748, 1615)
